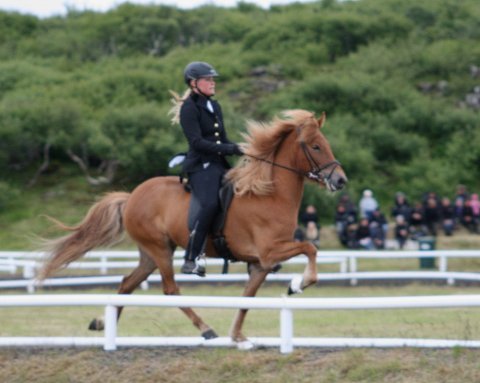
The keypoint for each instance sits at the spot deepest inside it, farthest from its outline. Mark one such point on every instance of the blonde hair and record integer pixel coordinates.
(177, 102)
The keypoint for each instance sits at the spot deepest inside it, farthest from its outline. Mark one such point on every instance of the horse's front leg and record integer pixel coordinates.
(286, 250)
(257, 277)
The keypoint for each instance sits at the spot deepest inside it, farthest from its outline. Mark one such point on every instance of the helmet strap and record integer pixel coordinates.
(197, 90)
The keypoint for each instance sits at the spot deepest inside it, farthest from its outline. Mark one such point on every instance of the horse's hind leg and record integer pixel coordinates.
(257, 277)
(145, 267)
(163, 258)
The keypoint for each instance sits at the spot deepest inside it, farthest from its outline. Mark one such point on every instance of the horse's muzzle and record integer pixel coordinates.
(337, 181)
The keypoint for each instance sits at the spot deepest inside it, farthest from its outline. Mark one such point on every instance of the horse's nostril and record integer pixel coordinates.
(341, 182)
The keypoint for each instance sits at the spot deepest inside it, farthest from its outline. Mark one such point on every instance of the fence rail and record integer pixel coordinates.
(348, 262)
(285, 305)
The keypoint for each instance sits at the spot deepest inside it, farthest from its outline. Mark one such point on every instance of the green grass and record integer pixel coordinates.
(137, 321)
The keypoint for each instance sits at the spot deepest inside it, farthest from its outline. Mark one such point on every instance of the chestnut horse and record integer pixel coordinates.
(268, 183)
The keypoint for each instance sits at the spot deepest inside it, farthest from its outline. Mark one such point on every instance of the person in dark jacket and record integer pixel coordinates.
(447, 214)
(402, 207)
(401, 231)
(205, 165)
(431, 215)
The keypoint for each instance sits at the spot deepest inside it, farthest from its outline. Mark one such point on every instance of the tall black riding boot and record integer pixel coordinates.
(195, 249)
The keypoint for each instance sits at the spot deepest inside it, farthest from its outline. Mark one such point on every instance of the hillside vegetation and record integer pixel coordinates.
(87, 94)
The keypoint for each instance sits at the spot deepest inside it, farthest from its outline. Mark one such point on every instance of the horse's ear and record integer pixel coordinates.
(321, 120)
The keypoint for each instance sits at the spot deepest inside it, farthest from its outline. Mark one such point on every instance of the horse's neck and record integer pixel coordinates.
(289, 185)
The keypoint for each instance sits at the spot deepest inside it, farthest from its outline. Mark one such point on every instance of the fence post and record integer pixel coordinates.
(443, 264)
(103, 264)
(28, 271)
(286, 331)
(110, 328)
(353, 269)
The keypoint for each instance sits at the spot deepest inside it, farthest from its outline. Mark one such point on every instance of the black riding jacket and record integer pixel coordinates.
(205, 132)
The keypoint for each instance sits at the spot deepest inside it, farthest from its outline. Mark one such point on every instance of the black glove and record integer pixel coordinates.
(232, 149)
(237, 150)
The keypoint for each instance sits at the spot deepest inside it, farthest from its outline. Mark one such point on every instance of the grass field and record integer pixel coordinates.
(262, 365)
(140, 321)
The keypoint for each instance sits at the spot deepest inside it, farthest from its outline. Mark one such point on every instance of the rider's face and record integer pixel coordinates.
(206, 85)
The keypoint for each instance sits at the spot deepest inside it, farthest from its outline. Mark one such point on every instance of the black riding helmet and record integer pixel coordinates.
(198, 69)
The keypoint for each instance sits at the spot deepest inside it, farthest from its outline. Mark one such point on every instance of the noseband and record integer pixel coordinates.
(316, 172)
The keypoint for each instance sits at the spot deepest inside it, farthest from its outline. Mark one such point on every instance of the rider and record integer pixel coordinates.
(205, 164)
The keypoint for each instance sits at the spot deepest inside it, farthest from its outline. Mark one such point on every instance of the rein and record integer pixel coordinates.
(315, 174)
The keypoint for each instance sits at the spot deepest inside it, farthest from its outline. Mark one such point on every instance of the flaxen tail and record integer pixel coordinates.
(102, 226)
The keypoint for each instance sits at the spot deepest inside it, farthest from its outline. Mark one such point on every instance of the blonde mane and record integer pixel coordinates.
(250, 176)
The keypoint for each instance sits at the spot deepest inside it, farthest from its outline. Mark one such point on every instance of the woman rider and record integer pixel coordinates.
(202, 123)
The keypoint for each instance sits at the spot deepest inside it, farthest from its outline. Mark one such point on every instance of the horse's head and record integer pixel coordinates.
(315, 157)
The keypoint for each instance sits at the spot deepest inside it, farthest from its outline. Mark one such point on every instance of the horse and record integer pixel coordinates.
(268, 181)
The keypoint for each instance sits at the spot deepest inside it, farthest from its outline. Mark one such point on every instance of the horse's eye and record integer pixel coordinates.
(316, 148)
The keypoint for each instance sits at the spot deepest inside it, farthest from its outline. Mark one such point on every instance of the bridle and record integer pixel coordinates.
(316, 172)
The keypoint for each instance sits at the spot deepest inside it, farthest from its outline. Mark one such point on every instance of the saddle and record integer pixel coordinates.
(225, 196)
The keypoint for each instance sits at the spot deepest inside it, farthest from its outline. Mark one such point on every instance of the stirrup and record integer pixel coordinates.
(192, 267)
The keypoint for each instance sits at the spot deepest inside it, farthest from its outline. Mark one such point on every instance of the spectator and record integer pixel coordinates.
(343, 219)
(458, 211)
(447, 216)
(475, 204)
(299, 235)
(363, 234)
(351, 236)
(368, 204)
(377, 234)
(349, 205)
(402, 207)
(468, 219)
(461, 194)
(379, 218)
(312, 233)
(401, 231)
(431, 215)
(417, 222)
(309, 215)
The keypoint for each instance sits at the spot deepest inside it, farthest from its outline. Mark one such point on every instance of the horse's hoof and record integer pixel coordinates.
(209, 334)
(245, 345)
(97, 324)
(295, 285)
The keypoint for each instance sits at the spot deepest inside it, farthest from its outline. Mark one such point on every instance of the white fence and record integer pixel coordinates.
(286, 340)
(103, 261)
(348, 262)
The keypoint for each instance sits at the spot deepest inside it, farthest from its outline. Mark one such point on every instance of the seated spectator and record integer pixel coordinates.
(468, 219)
(401, 231)
(447, 216)
(309, 215)
(377, 235)
(416, 222)
(299, 235)
(401, 206)
(431, 215)
(312, 233)
(349, 205)
(367, 204)
(363, 234)
(475, 204)
(461, 194)
(343, 218)
(458, 211)
(379, 218)
(351, 241)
